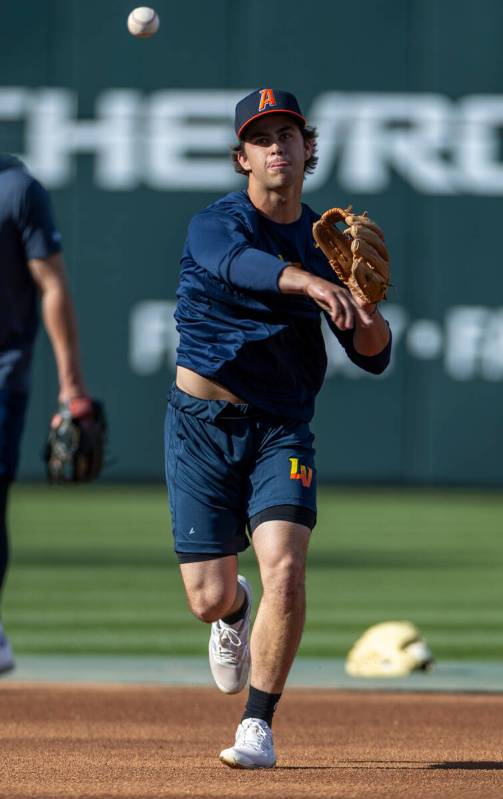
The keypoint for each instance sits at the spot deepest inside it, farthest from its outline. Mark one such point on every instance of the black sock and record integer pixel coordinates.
(232, 618)
(260, 705)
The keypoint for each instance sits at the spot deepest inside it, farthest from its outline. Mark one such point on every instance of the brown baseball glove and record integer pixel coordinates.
(358, 255)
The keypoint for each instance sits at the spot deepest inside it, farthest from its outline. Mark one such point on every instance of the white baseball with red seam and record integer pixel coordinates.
(143, 22)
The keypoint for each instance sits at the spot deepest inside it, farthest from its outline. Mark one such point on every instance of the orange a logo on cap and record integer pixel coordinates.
(266, 98)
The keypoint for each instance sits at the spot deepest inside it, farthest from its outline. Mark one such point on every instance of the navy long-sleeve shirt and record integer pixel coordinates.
(236, 327)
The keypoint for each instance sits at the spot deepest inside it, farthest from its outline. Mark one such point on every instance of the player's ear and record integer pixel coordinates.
(308, 149)
(243, 159)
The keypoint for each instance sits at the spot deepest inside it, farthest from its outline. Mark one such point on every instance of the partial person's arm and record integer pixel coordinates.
(60, 322)
(367, 346)
(370, 339)
(361, 329)
(335, 300)
(221, 244)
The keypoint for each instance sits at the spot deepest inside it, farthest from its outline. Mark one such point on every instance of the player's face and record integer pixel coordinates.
(275, 151)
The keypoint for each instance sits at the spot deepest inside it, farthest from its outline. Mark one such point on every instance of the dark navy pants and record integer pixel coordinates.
(12, 415)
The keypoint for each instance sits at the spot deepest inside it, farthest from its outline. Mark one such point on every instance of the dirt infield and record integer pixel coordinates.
(99, 742)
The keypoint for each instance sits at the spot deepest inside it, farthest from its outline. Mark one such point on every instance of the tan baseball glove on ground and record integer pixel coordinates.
(389, 649)
(358, 255)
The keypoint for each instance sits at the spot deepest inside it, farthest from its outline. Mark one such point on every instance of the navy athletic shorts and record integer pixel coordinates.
(226, 464)
(12, 414)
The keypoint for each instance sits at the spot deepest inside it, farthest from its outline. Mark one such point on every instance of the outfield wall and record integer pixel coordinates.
(131, 137)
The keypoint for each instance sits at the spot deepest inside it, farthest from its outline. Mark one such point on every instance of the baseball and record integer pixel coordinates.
(143, 22)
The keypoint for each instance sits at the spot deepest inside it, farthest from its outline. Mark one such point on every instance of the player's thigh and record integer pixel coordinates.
(210, 585)
(280, 543)
(281, 549)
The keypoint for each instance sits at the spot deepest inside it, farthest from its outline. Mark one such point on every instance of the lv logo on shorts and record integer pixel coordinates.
(305, 475)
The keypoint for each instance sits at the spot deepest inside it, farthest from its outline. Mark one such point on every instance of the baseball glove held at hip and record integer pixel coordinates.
(75, 445)
(358, 254)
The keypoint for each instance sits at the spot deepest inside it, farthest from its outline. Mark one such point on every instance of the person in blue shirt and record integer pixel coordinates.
(239, 450)
(31, 266)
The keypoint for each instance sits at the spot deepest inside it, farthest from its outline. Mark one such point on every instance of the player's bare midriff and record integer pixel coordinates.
(202, 387)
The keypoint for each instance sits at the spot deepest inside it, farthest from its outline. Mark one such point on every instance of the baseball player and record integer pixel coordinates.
(251, 359)
(31, 263)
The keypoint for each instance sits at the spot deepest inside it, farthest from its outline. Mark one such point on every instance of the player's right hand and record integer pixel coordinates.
(337, 302)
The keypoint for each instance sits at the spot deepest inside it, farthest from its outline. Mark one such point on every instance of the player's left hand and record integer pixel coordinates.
(358, 255)
(76, 442)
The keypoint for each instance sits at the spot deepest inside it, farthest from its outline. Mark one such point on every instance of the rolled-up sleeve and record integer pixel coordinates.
(222, 245)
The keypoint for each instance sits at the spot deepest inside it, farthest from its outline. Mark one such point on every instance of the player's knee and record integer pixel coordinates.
(208, 606)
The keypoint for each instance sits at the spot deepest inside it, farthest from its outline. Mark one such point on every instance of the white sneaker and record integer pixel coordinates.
(6, 657)
(254, 747)
(229, 649)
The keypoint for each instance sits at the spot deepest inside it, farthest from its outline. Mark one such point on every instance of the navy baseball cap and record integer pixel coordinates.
(266, 101)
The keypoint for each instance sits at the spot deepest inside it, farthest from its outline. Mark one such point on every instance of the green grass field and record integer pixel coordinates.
(93, 571)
